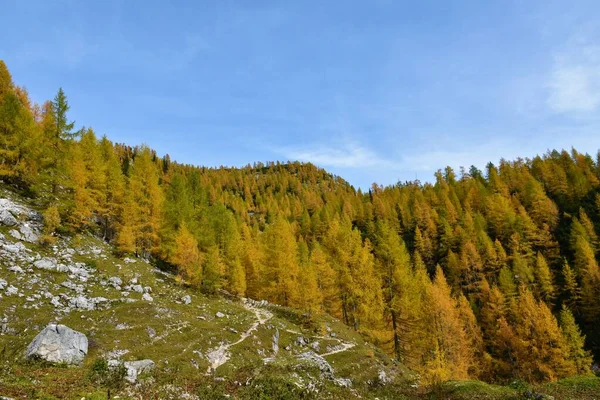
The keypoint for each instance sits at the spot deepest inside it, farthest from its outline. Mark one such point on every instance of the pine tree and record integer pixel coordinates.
(6, 82)
(447, 330)
(395, 269)
(310, 298)
(147, 202)
(280, 277)
(540, 350)
(250, 260)
(237, 278)
(187, 257)
(575, 342)
(570, 289)
(211, 271)
(543, 275)
(113, 194)
(326, 279)
(60, 136)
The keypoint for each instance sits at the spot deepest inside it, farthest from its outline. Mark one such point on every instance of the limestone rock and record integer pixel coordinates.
(186, 299)
(137, 288)
(28, 234)
(11, 290)
(16, 270)
(147, 297)
(58, 343)
(6, 218)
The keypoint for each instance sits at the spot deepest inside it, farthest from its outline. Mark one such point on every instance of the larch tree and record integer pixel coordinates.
(187, 256)
(147, 199)
(280, 263)
(575, 342)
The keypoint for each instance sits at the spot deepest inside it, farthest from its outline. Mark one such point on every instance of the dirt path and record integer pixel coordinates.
(221, 355)
(343, 346)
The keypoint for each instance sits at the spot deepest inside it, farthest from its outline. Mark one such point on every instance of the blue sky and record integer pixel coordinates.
(374, 91)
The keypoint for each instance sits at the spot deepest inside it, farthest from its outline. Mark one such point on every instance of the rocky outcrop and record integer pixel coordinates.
(59, 344)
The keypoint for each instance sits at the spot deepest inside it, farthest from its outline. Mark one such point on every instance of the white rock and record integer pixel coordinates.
(115, 281)
(187, 299)
(137, 288)
(28, 234)
(58, 343)
(3, 284)
(147, 297)
(56, 302)
(15, 248)
(16, 270)
(343, 382)
(15, 233)
(383, 378)
(11, 290)
(46, 263)
(82, 303)
(219, 314)
(6, 218)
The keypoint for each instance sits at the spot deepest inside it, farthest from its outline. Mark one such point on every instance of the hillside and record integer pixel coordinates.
(131, 311)
(480, 276)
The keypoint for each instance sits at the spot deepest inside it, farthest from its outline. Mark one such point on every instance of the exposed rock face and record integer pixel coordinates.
(58, 343)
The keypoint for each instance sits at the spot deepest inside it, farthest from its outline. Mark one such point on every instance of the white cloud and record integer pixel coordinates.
(574, 84)
(575, 89)
(346, 155)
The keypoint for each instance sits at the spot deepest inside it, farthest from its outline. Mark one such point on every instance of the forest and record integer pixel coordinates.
(489, 275)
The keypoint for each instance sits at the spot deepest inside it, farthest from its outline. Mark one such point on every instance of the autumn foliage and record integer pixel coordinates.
(482, 274)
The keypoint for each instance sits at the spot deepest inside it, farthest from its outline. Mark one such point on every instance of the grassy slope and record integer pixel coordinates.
(179, 331)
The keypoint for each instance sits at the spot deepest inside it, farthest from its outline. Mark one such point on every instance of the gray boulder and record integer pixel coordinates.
(58, 343)
(46, 263)
(147, 297)
(137, 288)
(186, 299)
(28, 234)
(6, 218)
